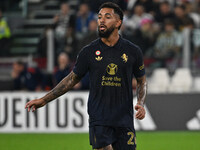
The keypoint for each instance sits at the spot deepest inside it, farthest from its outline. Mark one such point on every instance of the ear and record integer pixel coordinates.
(118, 23)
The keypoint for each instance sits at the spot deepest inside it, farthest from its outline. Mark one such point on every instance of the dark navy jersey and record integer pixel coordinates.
(111, 70)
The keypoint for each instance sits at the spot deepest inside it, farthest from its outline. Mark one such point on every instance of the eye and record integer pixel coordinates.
(99, 17)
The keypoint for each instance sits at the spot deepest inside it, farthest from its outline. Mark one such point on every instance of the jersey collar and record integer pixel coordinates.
(117, 45)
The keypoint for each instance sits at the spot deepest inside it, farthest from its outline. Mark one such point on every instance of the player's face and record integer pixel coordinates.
(108, 21)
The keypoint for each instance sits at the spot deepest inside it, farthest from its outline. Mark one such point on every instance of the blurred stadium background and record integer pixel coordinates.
(39, 42)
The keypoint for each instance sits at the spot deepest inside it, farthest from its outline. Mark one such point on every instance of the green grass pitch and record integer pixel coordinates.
(145, 141)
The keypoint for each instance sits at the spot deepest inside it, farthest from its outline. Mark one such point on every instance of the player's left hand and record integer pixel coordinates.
(140, 114)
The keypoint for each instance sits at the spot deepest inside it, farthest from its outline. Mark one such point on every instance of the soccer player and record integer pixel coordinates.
(111, 62)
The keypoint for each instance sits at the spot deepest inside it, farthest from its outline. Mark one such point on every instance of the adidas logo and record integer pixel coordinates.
(194, 123)
(98, 58)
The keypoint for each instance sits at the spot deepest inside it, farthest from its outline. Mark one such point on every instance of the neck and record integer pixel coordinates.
(112, 39)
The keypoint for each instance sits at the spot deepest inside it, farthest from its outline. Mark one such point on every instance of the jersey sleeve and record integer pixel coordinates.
(81, 65)
(138, 68)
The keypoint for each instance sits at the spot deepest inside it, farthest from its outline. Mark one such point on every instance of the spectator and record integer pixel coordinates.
(94, 5)
(196, 5)
(180, 16)
(42, 48)
(134, 21)
(25, 78)
(192, 14)
(71, 46)
(63, 69)
(147, 4)
(63, 21)
(42, 45)
(168, 44)
(83, 84)
(164, 12)
(155, 7)
(5, 35)
(83, 19)
(92, 34)
(144, 36)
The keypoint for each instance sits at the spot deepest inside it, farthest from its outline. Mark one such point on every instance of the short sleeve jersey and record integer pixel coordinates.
(111, 69)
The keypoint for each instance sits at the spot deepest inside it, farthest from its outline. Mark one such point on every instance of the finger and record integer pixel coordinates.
(27, 104)
(141, 116)
(141, 112)
(33, 108)
(29, 108)
(138, 117)
(138, 114)
(141, 109)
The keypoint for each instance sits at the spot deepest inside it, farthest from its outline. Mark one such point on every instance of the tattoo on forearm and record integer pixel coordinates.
(64, 86)
(141, 90)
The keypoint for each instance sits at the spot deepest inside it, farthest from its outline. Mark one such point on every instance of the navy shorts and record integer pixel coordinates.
(121, 138)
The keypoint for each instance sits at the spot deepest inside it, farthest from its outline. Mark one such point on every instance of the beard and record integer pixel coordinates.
(106, 33)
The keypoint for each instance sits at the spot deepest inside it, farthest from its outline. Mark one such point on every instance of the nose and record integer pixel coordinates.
(101, 20)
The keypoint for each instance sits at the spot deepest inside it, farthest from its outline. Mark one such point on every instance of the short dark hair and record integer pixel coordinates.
(20, 62)
(181, 7)
(165, 3)
(115, 7)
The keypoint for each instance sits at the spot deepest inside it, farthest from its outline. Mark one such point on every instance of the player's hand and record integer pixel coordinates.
(34, 104)
(140, 114)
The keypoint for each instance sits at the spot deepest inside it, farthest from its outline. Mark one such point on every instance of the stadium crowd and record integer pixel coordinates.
(154, 25)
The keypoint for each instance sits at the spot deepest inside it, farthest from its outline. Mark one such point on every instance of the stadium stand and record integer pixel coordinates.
(181, 81)
(26, 38)
(197, 84)
(160, 80)
(28, 31)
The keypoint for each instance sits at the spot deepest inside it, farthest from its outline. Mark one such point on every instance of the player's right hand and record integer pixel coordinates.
(34, 104)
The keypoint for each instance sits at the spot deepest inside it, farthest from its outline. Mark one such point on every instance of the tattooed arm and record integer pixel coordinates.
(64, 86)
(141, 90)
(141, 95)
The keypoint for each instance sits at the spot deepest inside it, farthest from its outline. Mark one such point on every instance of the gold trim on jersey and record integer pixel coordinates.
(141, 67)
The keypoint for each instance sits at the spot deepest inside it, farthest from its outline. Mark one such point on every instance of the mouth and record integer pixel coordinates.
(102, 27)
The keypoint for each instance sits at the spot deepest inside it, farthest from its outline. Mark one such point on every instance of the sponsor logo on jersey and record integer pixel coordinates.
(112, 69)
(97, 53)
(98, 58)
(124, 57)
